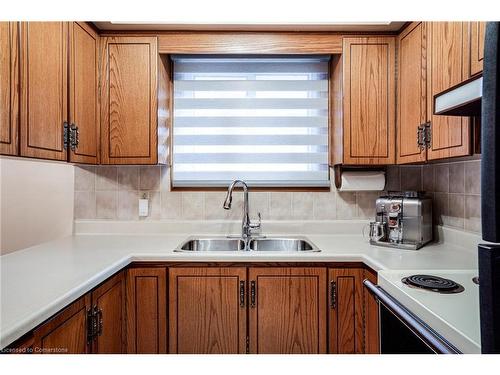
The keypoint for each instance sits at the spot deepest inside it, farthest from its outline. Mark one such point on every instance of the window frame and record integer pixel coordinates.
(334, 73)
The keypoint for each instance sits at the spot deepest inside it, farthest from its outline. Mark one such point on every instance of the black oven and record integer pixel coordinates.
(401, 332)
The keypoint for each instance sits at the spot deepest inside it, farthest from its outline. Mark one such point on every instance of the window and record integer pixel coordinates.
(263, 120)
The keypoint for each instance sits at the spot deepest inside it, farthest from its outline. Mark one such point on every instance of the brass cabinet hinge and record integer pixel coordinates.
(91, 325)
(74, 137)
(94, 323)
(247, 346)
(424, 136)
(71, 136)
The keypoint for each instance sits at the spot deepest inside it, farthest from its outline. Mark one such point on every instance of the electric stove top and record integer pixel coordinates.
(447, 300)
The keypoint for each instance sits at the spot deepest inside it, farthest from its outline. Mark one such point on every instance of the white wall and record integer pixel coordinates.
(36, 202)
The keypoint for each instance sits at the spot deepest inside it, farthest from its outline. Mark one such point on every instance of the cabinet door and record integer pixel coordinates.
(207, 310)
(346, 311)
(129, 100)
(287, 310)
(412, 93)
(9, 88)
(477, 31)
(109, 301)
(66, 332)
(372, 334)
(447, 51)
(44, 89)
(369, 100)
(83, 92)
(147, 310)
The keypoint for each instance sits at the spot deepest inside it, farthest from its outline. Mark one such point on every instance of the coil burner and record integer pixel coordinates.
(433, 283)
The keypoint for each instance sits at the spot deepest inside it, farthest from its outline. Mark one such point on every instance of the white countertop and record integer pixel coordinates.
(39, 281)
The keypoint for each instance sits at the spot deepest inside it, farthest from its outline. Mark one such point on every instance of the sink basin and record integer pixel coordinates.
(211, 244)
(282, 244)
(285, 244)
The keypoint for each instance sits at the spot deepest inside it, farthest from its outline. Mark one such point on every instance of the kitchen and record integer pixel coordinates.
(251, 189)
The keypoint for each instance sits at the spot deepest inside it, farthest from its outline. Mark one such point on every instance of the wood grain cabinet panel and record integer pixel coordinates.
(66, 332)
(129, 100)
(207, 313)
(287, 310)
(346, 311)
(83, 92)
(477, 32)
(448, 56)
(371, 311)
(9, 88)
(147, 310)
(109, 299)
(44, 80)
(369, 100)
(412, 93)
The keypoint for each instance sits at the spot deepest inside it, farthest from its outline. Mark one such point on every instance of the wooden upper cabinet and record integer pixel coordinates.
(412, 93)
(9, 88)
(44, 100)
(147, 310)
(346, 311)
(207, 310)
(129, 100)
(477, 32)
(66, 332)
(447, 65)
(83, 92)
(287, 310)
(369, 100)
(109, 301)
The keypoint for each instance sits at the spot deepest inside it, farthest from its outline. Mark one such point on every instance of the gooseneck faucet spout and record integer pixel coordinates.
(246, 225)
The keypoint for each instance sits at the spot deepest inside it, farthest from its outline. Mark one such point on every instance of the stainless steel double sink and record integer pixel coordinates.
(228, 244)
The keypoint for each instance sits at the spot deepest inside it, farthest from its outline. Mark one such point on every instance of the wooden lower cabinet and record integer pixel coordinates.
(147, 310)
(109, 300)
(346, 310)
(287, 311)
(217, 310)
(372, 334)
(66, 332)
(207, 310)
(70, 330)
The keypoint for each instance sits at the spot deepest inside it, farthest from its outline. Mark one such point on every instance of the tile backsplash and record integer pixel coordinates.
(454, 186)
(112, 193)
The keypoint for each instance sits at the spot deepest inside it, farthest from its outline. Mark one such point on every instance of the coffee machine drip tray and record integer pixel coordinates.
(397, 245)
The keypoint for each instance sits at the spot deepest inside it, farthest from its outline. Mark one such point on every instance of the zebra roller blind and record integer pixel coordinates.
(263, 120)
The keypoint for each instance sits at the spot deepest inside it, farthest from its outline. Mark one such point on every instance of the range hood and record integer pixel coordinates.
(463, 99)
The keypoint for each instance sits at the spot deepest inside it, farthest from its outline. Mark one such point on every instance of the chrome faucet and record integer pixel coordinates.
(246, 225)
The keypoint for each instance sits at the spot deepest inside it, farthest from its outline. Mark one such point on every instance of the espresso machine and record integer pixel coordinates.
(403, 220)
